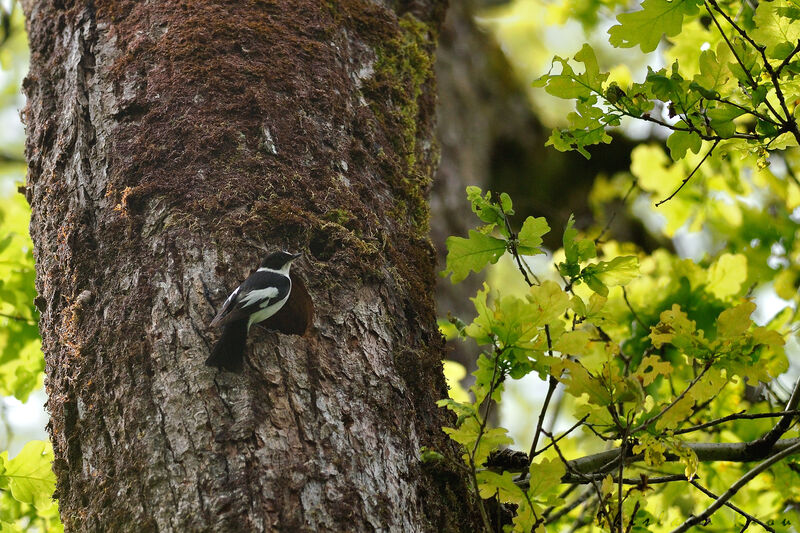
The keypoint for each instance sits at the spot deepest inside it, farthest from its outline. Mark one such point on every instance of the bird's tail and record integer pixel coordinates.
(229, 350)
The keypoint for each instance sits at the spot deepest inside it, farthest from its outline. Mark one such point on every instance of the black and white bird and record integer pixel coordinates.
(259, 297)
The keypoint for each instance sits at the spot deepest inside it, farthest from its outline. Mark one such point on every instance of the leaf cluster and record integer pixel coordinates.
(644, 348)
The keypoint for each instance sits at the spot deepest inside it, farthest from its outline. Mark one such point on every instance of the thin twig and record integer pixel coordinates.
(743, 33)
(744, 109)
(788, 58)
(741, 415)
(788, 119)
(687, 178)
(566, 492)
(633, 516)
(630, 307)
(593, 482)
(622, 447)
(672, 404)
(512, 240)
(614, 214)
(587, 494)
(567, 432)
(791, 173)
(785, 422)
(741, 482)
(749, 517)
(551, 387)
(481, 429)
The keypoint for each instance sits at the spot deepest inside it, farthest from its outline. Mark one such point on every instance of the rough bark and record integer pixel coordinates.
(169, 144)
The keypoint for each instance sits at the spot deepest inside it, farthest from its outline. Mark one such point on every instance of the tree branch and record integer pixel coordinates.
(741, 482)
(739, 452)
(785, 422)
(749, 517)
(567, 432)
(741, 415)
(18, 318)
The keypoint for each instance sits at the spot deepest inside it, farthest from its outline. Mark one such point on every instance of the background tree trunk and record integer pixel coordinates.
(169, 145)
(482, 107)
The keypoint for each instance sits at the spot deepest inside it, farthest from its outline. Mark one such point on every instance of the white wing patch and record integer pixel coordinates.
(259, 295)
(230, 298)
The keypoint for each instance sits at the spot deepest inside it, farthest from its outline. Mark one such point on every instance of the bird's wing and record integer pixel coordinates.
(263, 288)
(224, 316)
(258, 291)
(258, 295)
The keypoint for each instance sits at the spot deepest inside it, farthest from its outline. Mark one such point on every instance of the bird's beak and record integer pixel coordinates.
(295, 256)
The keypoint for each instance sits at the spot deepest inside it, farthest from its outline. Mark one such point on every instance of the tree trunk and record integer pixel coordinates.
(169, 145)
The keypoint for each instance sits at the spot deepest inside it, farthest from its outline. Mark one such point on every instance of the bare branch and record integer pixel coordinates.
(739, 452)
(788, 59)
(18, 318)
(630, 307)
(551, 387)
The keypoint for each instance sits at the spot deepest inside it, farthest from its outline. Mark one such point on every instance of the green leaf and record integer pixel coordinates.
(569, 84)
(675, 328)
(530, 236)
(651, 367)
(721, 119)
(487, 210)
(618, 271)
(427, 455)
(714, 76)
(578, 381)
(575, 250)
(681, 141)
(777, 26)
(29, 475)
(549, 301)
(491, 483)
(726, 276)
(736, 320)
(587, 126)
(509, 321)
(545, 476)
(604, 274)
(644, 28)
(473, 254)
(488, 370)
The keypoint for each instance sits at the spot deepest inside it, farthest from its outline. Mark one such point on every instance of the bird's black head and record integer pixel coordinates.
(279, 260)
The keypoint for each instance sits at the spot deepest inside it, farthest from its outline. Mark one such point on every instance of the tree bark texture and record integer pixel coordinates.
(170, 143)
